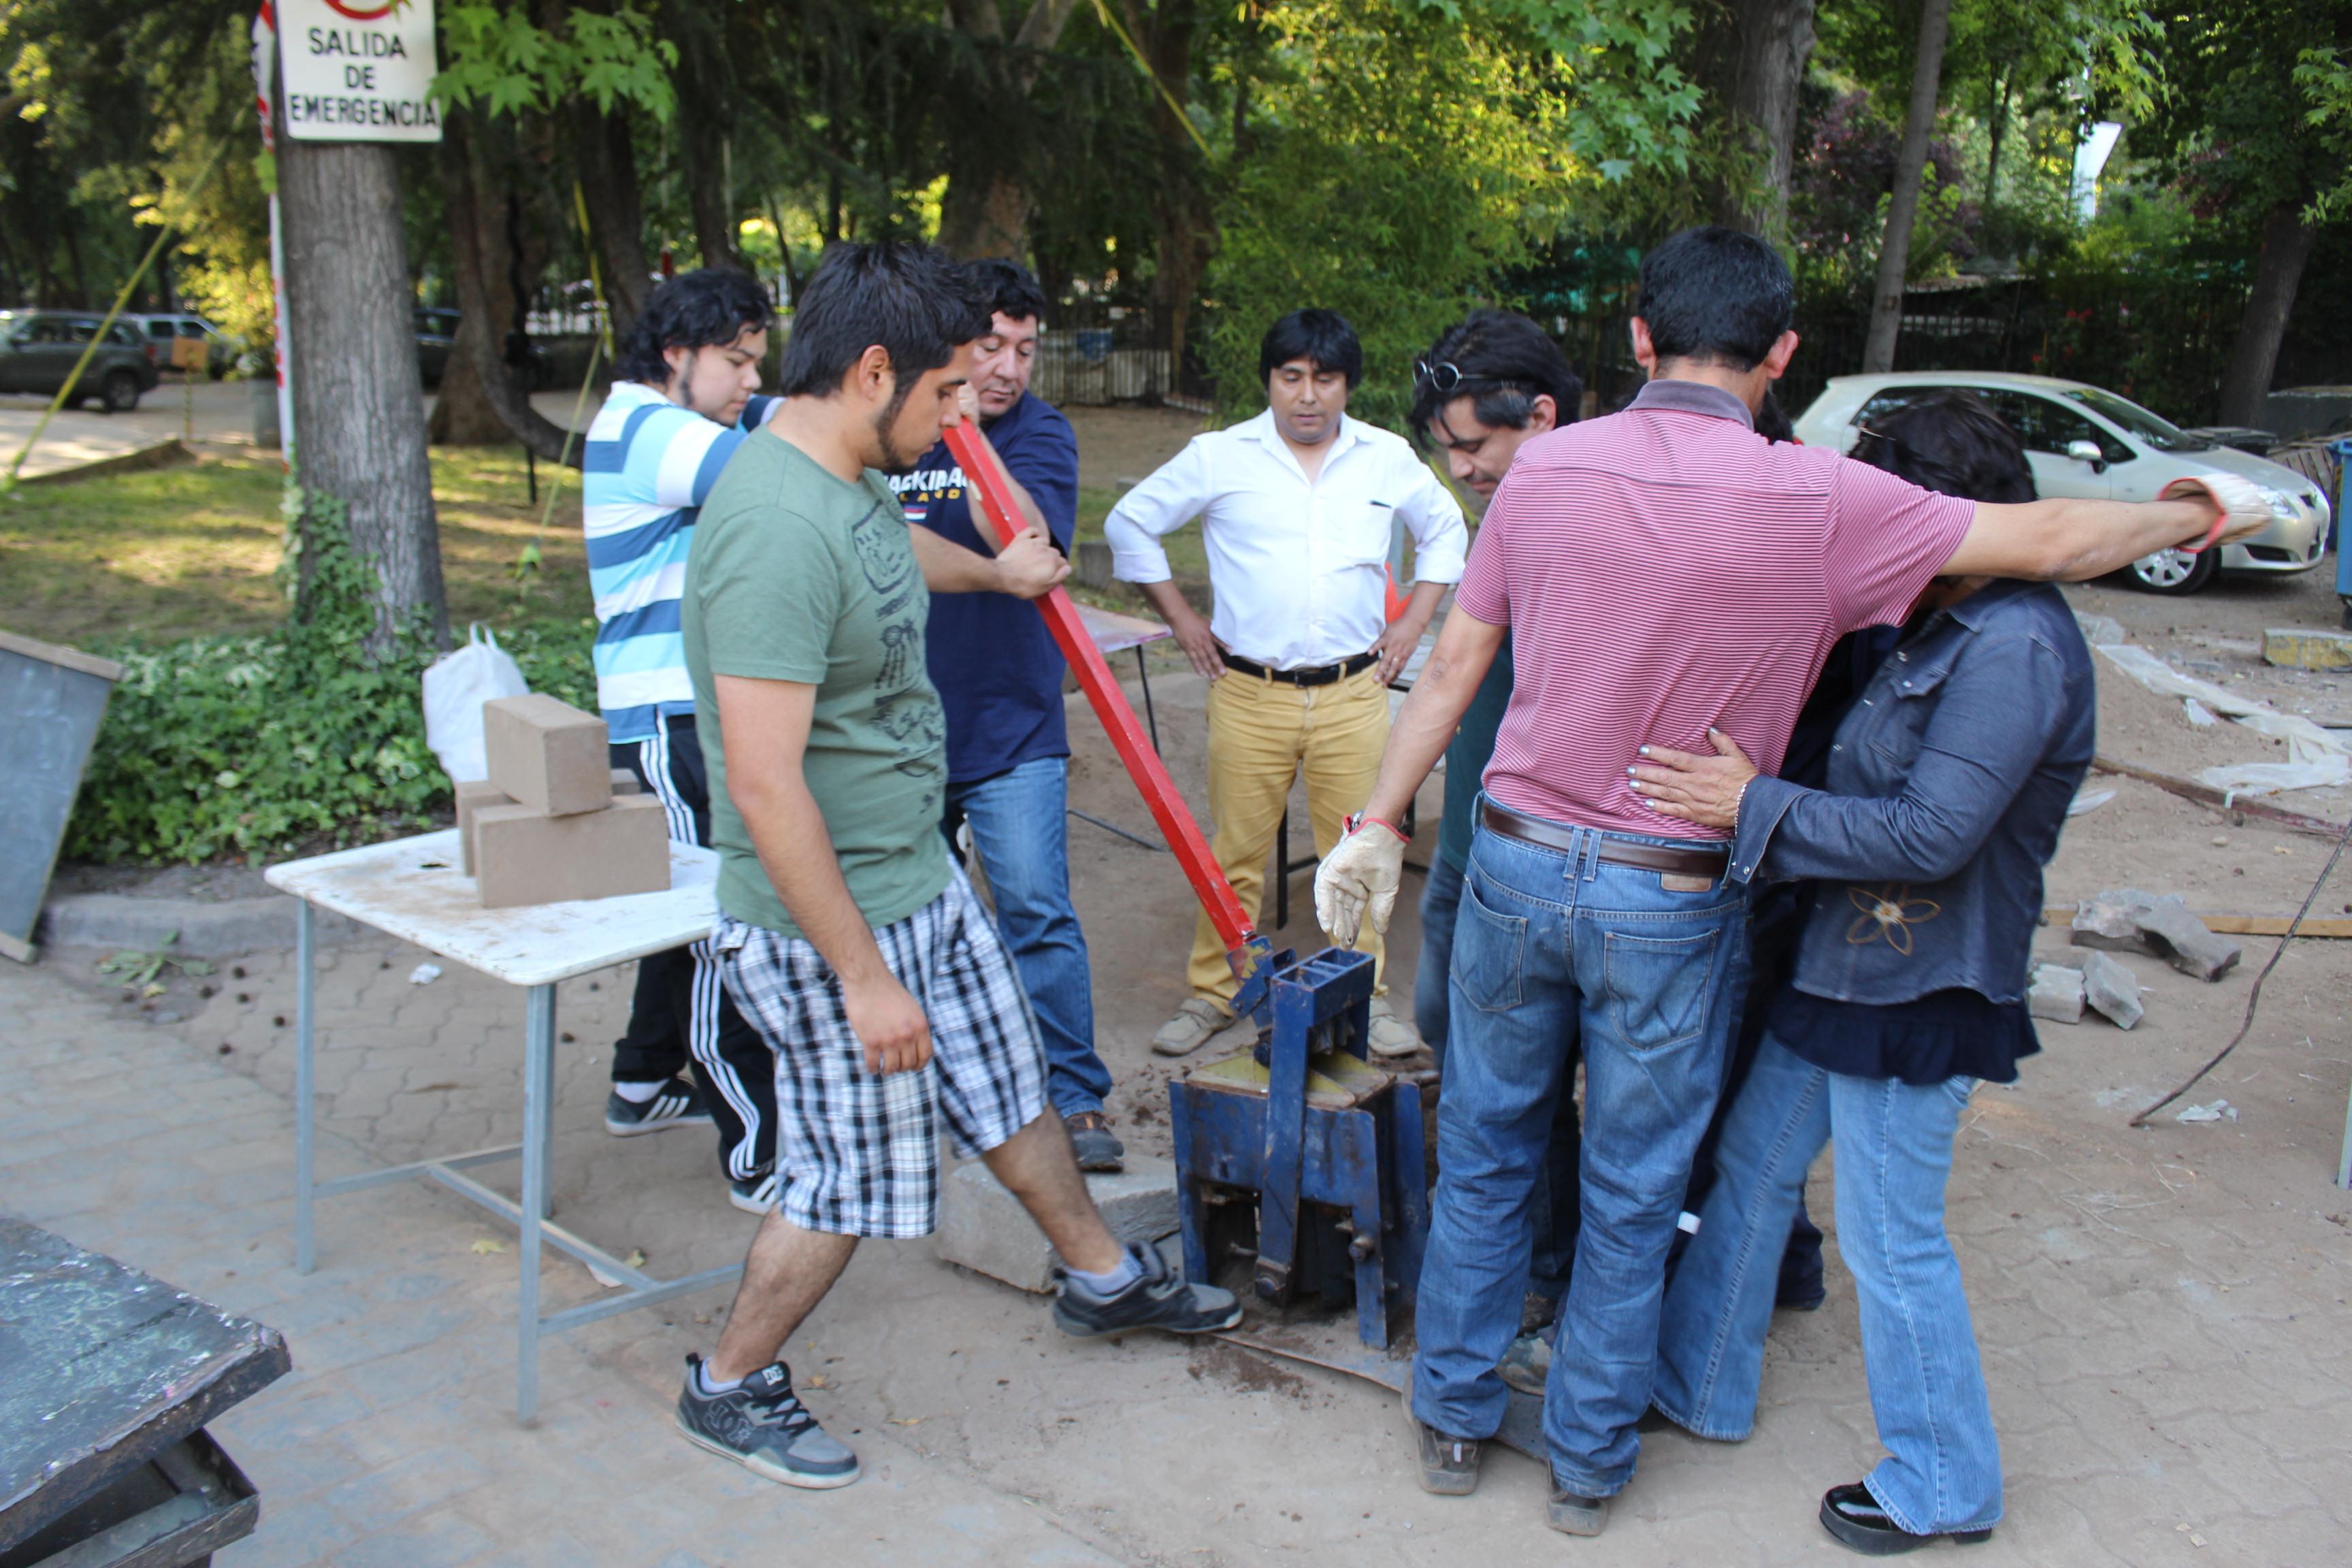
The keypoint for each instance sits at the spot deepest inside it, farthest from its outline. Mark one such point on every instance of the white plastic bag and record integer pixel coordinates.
(456, 686)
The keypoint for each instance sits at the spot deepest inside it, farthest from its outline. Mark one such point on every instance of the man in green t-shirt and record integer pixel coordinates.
(847, 934)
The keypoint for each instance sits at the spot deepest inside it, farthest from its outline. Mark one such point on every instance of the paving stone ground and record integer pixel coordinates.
(2164, 1312)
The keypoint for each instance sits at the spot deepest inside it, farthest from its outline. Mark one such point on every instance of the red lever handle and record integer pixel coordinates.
(983, 472)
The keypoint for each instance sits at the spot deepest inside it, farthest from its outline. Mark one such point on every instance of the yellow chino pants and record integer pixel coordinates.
(1262, 735)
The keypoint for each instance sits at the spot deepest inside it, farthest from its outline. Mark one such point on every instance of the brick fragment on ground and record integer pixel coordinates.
(2111, 989)
(2126, 919)
(984, 1228)
(2303, 647)
(2056, 994)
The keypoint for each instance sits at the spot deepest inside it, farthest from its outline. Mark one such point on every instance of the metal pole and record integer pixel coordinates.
(305, 1075)
(538, 1086)
(1144, 677)
(2344, 1161)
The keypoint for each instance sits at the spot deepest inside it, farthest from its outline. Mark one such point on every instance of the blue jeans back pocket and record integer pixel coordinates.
(1489, 950)
(1658, 986)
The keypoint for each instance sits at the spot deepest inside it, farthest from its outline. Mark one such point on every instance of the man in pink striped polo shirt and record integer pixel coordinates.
(1666, 576)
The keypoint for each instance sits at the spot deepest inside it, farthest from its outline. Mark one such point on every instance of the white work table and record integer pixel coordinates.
(412, 888)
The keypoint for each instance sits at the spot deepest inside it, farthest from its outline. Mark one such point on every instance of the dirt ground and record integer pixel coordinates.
(2162, 1311)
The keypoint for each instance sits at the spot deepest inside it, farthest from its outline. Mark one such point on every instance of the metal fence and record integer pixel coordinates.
(1088, 367)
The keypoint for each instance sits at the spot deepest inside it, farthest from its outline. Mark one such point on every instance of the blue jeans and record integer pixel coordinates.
(1894, 1155)
(1553, 950)
(1553, 1216)
(1019, 825)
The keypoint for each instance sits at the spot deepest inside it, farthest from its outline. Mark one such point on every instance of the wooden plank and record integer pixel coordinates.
(2206, 794)
(52, 701)
(53, 653)
(107, 1367)
(2231, 925)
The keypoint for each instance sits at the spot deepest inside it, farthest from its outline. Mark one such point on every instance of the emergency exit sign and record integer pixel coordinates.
(359, 70)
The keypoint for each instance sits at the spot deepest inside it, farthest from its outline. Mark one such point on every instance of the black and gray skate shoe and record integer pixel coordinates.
(1158, 1300)
(762, 1424)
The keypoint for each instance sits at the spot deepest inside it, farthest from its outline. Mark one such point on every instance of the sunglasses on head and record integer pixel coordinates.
(1443, 376)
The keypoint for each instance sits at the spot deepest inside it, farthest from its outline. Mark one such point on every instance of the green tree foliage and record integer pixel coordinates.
(1406, 154)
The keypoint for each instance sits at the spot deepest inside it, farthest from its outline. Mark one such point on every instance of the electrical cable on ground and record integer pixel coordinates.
(2255, 997)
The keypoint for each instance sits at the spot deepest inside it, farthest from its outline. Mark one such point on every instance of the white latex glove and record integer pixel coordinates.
(2246, 509)
(1360, 876)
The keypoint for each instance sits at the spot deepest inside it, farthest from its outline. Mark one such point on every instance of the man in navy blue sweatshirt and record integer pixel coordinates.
(1000, 677)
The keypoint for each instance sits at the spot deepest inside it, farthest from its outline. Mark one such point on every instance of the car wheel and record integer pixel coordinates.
(2174, 572)
(121, 391)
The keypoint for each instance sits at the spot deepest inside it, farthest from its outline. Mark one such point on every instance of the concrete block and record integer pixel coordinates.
(472, 795)
(2186, 943)
(2056, 994)
(2126, 919)
(2111, 989)
(2112, 920)
(984, 1228)
(524, 857)
(2300, 647)
(1093, 566)
(625, 783)
(548, 754)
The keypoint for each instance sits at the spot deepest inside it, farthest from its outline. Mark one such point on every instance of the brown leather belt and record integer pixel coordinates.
(1692, 862)
(1321, 675)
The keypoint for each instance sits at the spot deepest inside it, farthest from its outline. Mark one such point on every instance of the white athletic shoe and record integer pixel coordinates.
(1391, 1035)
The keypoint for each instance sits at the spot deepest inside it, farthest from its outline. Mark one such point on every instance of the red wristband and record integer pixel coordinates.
(2220, 514)
(1359, 819)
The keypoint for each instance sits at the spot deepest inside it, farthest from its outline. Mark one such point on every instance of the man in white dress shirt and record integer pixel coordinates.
(1297, 508)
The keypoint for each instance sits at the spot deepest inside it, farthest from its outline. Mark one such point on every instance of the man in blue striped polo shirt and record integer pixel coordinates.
(682, 401)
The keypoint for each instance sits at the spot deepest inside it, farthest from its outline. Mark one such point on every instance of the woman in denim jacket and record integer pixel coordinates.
(1948, 784)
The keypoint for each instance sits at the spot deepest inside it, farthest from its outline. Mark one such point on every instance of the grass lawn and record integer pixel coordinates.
(176, 553)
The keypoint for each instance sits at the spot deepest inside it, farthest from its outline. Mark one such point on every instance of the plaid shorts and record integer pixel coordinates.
(859, 1153)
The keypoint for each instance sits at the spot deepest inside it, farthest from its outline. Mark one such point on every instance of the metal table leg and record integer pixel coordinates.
(1143, 675)
(537, 1123)
(306, 984)
(2344, 1161)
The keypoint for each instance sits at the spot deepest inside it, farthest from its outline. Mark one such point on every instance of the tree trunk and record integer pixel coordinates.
(359, 410)
(986, 209)
(1186, 229)
(617, 215)
(986, 214)
(2286, 246)
(706, 187)
(1757, 65)
(1910, 171)
(1999, 129)
(489, 401)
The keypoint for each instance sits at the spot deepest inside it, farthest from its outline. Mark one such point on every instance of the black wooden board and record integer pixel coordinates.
(104, 1368)
(51, 701)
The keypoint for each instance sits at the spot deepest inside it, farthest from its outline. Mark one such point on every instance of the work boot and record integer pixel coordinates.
(1157, 1299)
(1188, 1030)
(1527, 1364)
(1091, 1141)
(1449, 1466)
(1391, 1035)
(1571, 1513)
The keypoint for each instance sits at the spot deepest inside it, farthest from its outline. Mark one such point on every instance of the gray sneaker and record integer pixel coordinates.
(1158, 1300)
(1449, 1466)
(762, 1424)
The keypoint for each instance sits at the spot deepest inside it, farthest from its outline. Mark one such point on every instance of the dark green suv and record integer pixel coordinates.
(38, 349)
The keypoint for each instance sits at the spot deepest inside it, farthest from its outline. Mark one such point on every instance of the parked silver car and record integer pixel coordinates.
(2088, 442)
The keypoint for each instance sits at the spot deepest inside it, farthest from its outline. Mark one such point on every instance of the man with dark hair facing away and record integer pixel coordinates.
(1671, 578)
(1297, 508)
(682, 401)
(846, 933)
(1000, 681)
(1490, 384)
